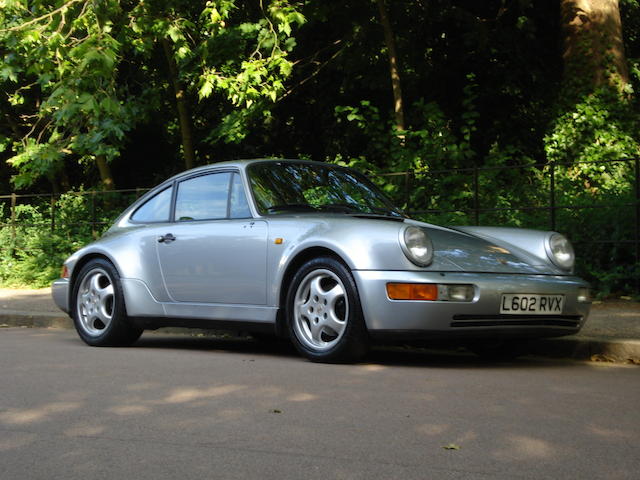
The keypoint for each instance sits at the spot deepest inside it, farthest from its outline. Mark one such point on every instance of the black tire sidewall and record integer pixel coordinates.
(354, 342)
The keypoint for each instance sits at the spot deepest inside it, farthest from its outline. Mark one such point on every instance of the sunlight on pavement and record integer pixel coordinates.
(16, 416)
(610, 433)
(525, 448)
(302, 397)
(183, 395)
(84, 431)
(130, 410)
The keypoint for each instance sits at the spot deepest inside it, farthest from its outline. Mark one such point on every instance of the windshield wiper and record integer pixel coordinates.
(291, 206)
(385, 212)
(340, 207)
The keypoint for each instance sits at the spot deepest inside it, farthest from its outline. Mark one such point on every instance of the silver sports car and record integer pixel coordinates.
(317, 253)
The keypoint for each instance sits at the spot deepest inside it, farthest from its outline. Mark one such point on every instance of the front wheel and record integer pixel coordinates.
(324, 313)
(99, 312)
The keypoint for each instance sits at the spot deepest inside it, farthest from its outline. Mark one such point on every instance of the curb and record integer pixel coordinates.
(596, 349)
(18, 318)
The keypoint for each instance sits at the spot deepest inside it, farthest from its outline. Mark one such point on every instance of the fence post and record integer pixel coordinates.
(407, 187)
(476, 196)
(13, 224)
(552, 197)
(637, 165)
(93, 215)
(53, 213)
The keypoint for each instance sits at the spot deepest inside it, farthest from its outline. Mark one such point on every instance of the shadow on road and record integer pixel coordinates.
(384, 355)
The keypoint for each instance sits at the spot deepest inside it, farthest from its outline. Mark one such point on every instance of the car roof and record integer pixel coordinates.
(242, 164)
(233, 164)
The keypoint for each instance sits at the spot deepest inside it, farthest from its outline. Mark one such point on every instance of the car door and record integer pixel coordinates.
(214, 252)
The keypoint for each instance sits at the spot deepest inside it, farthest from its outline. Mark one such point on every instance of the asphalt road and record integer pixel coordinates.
(188, 407)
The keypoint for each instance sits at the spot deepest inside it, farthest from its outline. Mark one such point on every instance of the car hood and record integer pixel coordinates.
(472, 253)
(373, 243)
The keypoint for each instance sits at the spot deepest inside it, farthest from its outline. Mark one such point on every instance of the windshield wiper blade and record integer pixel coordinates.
(291, 206)
(340, 207)
(385, 212)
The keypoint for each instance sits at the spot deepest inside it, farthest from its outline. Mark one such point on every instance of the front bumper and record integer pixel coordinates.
(478, 318)
(60, 293)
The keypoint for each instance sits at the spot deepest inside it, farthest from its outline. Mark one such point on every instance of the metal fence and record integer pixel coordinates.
(476, 189)
(408, 181)
(116, 200)
(551, 210)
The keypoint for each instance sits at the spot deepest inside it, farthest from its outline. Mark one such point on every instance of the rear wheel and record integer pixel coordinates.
(324, 313)
(99, 312)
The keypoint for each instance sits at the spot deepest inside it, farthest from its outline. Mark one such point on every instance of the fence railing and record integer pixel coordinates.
(553, 209)
(95, 196)
(427, 195)
(409, 179)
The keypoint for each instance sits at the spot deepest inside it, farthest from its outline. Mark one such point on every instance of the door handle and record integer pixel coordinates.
(168, 238)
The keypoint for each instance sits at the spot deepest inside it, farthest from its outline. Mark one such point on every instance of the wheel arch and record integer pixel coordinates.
(294, 265)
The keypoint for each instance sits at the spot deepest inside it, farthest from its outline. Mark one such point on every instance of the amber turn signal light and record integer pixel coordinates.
(412, 291)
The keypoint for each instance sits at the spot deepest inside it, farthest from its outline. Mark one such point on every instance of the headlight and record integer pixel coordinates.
(417, 246)
(560, 251)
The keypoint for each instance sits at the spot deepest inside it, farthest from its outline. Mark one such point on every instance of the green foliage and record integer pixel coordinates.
(34, 248)
(82, 75)
(484, 86)
(600, 126)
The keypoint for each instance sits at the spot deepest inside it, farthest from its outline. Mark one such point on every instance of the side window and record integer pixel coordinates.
(203, 198)
(239, 208)
(156, 209)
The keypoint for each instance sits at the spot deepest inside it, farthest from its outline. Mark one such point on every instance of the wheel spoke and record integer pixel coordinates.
(94, 283)
(304, 302)
(102, 315)
(316, 332)
(333, 323)
(332, 295)
(316, 288)
(105, 293)
(85, 298)
(92, 319)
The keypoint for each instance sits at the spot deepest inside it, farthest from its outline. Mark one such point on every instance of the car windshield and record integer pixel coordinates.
(281, 187)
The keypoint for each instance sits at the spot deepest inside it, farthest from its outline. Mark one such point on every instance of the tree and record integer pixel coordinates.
(394, 70)
(70, 68)
(62, 61)
(597, 115)
(593, 44)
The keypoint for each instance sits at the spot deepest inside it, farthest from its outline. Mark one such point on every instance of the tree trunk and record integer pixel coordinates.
(65, 181)
(181, 106)
(393, 65)
(593, 46)
(55, 186)
(105, 172)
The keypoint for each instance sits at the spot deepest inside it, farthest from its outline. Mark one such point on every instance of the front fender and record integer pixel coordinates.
(361, 244)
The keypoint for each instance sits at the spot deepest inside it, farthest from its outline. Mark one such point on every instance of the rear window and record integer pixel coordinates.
(156, 209)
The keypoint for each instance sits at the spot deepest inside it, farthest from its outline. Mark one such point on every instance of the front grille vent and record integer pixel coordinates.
(561, 321)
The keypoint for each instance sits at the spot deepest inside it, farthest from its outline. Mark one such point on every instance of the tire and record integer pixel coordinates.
(324, 315)
(98, 309)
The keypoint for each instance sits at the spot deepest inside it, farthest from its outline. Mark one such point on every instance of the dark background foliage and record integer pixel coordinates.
(484, 85)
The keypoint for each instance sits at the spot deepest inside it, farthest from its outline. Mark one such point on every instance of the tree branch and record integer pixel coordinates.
(38, 19)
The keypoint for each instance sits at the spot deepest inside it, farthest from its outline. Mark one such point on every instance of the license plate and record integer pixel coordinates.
(531, 304)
